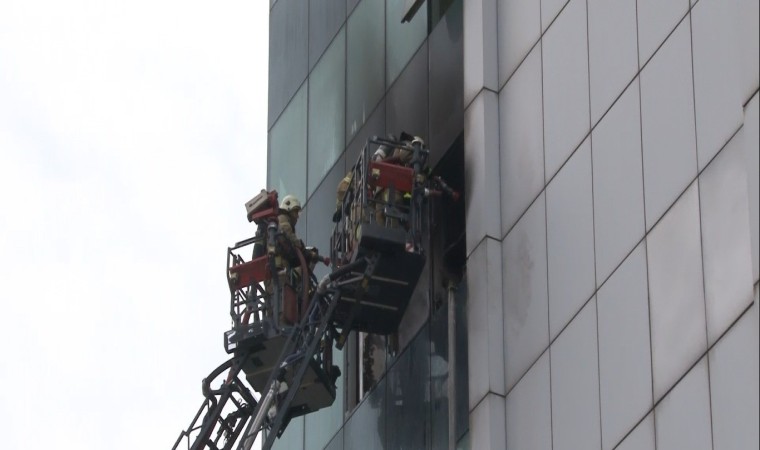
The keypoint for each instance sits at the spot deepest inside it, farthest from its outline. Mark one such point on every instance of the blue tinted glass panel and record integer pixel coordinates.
(319, 210)
(337, 442)
(462, 378)
(287, 149)
(406, 104)
(440, 7)
(446, 83)
(366, 63)
(418, 311)
(325, 18)
(288, 53)
(322, 425)
(373, 361)
(365, 429)
(408, 396)
(292, 438)
(350, 5)
(326, 111)
(403, 39)
(375, 126)
(439, 376)
(464, 442)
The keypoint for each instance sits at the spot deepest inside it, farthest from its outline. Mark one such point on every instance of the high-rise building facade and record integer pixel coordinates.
(608, 154)
(341, 72)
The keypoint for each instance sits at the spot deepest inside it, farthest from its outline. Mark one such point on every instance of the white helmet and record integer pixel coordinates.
(289, 203)
(418, 140)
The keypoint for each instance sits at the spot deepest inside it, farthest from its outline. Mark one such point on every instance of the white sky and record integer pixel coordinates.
(131, 135)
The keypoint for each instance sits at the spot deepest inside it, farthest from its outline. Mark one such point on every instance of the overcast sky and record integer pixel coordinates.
(131, 135)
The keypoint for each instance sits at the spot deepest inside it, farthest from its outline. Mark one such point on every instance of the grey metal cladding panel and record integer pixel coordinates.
(406, 102)
(365, 429)
(549, 10)
(624, 348)
(726, 241)
(749, 45)
(519, 30)
(446, 82)
(487, 421)
(288, 53)
(667, 123)
(350, 5)
(642, 437)
(565, 85)
(325, 18)
(575, 384)
(521, 140)
(734, 385)
(570, 239)
(656, 19)
(618, 187)
(751, 136)
(718, 95)
(528, 410)
(676, 292)
(612, 51)
(682, 419)
(525, 293)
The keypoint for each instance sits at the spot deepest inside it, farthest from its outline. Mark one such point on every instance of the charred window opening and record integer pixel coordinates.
(447, 222)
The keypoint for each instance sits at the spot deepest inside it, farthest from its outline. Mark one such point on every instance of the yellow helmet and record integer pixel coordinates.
(289, 203)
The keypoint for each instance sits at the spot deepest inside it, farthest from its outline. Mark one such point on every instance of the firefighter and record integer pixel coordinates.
(402, 156)
(290, 209)
(382, 153)
(288, 242)
(341, 194)
(287, 261)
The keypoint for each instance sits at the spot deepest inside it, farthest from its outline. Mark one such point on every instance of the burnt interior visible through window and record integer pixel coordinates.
(447, 225)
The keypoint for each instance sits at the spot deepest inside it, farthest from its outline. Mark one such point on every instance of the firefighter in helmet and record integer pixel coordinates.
(290, 209)
(287, 248)
(402, 156)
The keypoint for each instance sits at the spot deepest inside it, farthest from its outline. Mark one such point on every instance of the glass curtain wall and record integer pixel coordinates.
(342, 71)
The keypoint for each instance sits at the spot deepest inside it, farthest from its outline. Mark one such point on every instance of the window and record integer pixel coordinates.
(326, 111)
(403, 38)
(288, 53)
(287, 149)
(366, 63)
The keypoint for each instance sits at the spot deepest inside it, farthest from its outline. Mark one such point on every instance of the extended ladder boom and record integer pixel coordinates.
(274, 411)
(285, 324)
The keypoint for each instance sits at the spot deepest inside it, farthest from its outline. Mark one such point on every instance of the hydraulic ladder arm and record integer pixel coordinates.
(277, 336)
(275, 408)
(273, 412)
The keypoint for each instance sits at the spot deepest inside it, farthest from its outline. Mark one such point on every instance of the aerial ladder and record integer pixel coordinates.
(285, 322)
